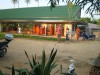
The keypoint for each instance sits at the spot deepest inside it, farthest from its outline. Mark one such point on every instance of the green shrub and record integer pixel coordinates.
(31, 37)
(2, 36)
(37, 67)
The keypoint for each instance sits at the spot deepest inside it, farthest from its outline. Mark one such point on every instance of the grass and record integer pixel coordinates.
(31, 37)
(2, 35)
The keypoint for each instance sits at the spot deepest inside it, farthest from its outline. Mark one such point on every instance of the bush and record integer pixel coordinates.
(31, 37)
(37, 67)
(2, 36)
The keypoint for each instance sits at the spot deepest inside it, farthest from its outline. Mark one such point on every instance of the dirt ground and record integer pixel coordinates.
(81, 51)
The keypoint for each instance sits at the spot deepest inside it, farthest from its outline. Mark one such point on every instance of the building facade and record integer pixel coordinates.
(40, 20)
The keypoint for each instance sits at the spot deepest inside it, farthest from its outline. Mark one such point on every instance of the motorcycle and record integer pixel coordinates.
(88, 36)
(4, 44)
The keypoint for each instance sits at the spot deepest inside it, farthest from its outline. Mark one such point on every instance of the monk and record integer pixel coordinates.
(51, 30)
(43, 30)
(77, 33)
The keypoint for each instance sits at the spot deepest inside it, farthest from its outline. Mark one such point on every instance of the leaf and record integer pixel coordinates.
(34, 60)
(43, 59)
(23, 72)
(13, 70)
(47, 68)
(51, 52)
(35, 67)
(53, 65)
(1, 72)
(29, 60)
(53, 56)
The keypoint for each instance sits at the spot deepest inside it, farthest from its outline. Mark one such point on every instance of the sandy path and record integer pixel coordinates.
(82, 52)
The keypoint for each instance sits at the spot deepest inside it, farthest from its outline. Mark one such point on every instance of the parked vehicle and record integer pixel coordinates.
(4, 44)
(88, 36)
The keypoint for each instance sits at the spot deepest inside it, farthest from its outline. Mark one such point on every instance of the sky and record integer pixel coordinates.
(7, 4)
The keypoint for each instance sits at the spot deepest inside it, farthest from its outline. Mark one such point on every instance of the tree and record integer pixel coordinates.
(15, 2)
(94, 21)
(27, 1)
(18, 3)
(87, 20)
(98, 21)
(93, 5)
(70, 5)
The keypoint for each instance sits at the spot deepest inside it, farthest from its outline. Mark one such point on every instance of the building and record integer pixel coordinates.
(93, 29)
(40, 20)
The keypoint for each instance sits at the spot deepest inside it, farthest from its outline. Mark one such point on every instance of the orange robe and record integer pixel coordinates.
(51, 30)
(38, 30)
(77, 33)
(41, 31)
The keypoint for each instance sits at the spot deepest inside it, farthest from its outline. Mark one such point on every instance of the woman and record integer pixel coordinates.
(59, 30)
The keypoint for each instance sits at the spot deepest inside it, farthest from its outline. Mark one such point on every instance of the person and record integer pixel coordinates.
(71, 67)
(78, 33)
(41, 30)
(51, 30)
(67, 33)
(59, 30)
(19, 29)
(70, 34)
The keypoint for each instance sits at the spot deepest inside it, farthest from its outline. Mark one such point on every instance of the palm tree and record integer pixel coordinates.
(27, 1)
(15, 2)
(70, 5)
(18, 3)
(93, 5)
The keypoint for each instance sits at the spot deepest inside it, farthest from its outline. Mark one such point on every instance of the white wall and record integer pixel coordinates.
(67, 25)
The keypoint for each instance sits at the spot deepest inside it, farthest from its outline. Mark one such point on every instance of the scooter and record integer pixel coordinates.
(4, 44)
(88, 36)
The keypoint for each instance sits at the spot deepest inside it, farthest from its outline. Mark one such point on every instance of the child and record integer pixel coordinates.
(71, 68)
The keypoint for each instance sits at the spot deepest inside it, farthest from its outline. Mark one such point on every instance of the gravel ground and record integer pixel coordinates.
(81, 51)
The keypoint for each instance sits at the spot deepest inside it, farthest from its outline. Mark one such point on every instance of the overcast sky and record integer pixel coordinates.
(7, 4)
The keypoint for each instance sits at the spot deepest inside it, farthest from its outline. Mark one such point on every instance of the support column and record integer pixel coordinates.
(45, 30)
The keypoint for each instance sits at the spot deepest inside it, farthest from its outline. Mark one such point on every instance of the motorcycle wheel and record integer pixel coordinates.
(3, 52)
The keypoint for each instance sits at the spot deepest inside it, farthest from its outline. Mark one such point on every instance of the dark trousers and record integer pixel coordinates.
(67, 37)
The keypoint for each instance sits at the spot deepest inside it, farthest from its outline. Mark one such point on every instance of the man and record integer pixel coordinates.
(59, 30)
